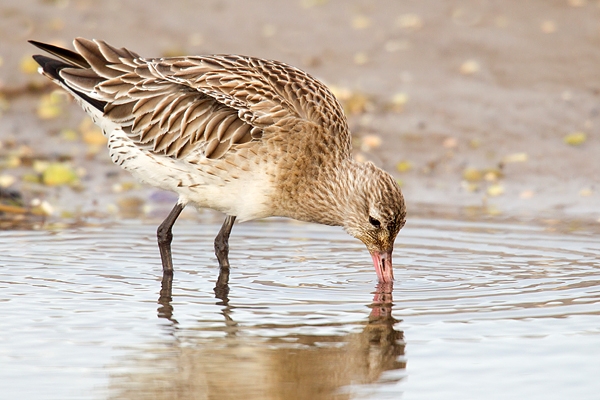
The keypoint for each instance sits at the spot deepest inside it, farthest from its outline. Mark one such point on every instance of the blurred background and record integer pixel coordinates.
(480, 108)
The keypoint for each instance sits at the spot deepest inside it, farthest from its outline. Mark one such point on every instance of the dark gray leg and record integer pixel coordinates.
(165, 236)
(222, 253)
(222, 242)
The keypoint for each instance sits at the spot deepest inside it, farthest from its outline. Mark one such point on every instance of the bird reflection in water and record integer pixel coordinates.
(242, 364)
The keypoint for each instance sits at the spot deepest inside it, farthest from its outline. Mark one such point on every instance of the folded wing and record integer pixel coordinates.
(174, 106)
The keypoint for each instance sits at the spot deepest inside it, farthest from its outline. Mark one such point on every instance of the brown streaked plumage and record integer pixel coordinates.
(252, 138)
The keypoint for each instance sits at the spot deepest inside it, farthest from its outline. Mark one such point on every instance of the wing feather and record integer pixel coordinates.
(207, 104)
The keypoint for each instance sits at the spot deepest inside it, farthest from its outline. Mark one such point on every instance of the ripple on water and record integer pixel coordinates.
(487, 311)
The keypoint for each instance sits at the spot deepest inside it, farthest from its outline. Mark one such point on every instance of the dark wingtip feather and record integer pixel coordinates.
(52, 67)
(66, 55)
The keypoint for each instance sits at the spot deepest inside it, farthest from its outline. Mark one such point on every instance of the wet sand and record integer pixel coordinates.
(468, 103)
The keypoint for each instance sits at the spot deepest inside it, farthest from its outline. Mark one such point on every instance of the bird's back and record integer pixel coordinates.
(211, 128)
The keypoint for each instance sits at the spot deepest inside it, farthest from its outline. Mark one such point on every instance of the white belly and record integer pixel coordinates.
(241, 193)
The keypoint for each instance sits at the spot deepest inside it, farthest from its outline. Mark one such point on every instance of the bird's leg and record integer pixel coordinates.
(222, 253)
(222, 242)
(165, 236)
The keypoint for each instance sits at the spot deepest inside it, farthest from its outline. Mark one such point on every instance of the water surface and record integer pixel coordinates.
(479, 311)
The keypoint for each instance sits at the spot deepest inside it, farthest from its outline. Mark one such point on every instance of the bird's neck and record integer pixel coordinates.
(321, 195)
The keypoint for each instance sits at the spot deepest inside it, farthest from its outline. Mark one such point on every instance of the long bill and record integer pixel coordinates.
(382, 260)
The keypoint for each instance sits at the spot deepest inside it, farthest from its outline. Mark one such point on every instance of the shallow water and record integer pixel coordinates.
(479, 311)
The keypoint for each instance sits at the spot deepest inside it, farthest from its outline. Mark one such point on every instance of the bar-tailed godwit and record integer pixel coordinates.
(249, 137)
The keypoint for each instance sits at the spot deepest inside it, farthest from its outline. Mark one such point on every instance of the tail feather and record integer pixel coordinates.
(51, 68)
(66, 55)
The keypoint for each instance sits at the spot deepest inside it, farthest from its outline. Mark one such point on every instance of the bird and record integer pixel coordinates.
(246, 136)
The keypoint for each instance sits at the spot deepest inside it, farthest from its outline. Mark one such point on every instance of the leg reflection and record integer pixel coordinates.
(222, 286)
(165, 309)
(222, 293)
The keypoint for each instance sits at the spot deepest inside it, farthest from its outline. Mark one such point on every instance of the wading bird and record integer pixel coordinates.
(249, 137)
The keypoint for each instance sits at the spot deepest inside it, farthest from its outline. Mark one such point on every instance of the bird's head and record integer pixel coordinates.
(376, 212)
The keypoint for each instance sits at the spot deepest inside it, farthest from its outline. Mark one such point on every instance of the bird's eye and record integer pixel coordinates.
(374, 222)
